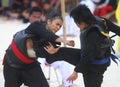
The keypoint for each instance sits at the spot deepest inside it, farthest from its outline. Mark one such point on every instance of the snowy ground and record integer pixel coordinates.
(8, 28)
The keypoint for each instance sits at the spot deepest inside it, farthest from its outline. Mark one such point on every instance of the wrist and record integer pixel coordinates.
(75, 72)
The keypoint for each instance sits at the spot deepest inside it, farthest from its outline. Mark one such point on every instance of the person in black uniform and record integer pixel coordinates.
(22, 67)
(94, 56)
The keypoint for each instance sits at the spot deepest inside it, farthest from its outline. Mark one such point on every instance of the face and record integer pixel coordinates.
(34, 4)
(82, 25)
(46, 7)
(54, 25)
(35, 16)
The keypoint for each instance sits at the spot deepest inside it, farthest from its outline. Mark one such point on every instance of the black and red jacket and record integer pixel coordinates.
(16, 54)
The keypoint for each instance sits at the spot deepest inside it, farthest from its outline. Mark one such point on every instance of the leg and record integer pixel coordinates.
(70, 55)
(94, 77)
(11, 76)
(34, 77)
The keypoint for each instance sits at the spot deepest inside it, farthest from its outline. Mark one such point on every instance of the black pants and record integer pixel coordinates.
(71, 55)
(94, 76)
(32, 77)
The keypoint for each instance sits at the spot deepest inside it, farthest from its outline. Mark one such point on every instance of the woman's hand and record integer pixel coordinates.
(70, 43)
(67, 42)
(50, 49)
(72, 77)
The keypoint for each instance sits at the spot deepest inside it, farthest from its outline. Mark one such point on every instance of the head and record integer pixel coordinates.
(54, 22)
(35, 14)
(34, 3)
(82, 16)
(46, 5)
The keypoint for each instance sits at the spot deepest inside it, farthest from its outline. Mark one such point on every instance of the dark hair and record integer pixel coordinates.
(35, 9)
(54, 15)
(81, 13)
(46, 2)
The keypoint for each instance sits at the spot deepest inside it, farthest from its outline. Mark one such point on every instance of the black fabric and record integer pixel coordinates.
(32, 77)
(20, 42)
(113, 27)
(71, 55)
(107, 25)
(40, 36)
(92, 42)
(39, 30)
(39, 47)
(15, 71)
(94, 77)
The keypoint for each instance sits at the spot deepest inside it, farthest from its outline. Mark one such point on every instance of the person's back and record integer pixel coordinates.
(95, 46)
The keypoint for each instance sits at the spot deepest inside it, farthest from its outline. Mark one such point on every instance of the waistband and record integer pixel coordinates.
(107, 60)
(103, 61)
(19, 55)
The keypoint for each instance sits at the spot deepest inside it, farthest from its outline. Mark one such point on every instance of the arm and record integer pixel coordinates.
(30, 51)
(68, 42)
(39, 30)
(51, 49)
(72, 77)
(113, 27)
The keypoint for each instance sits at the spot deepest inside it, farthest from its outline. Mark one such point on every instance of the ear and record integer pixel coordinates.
(48, 21)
